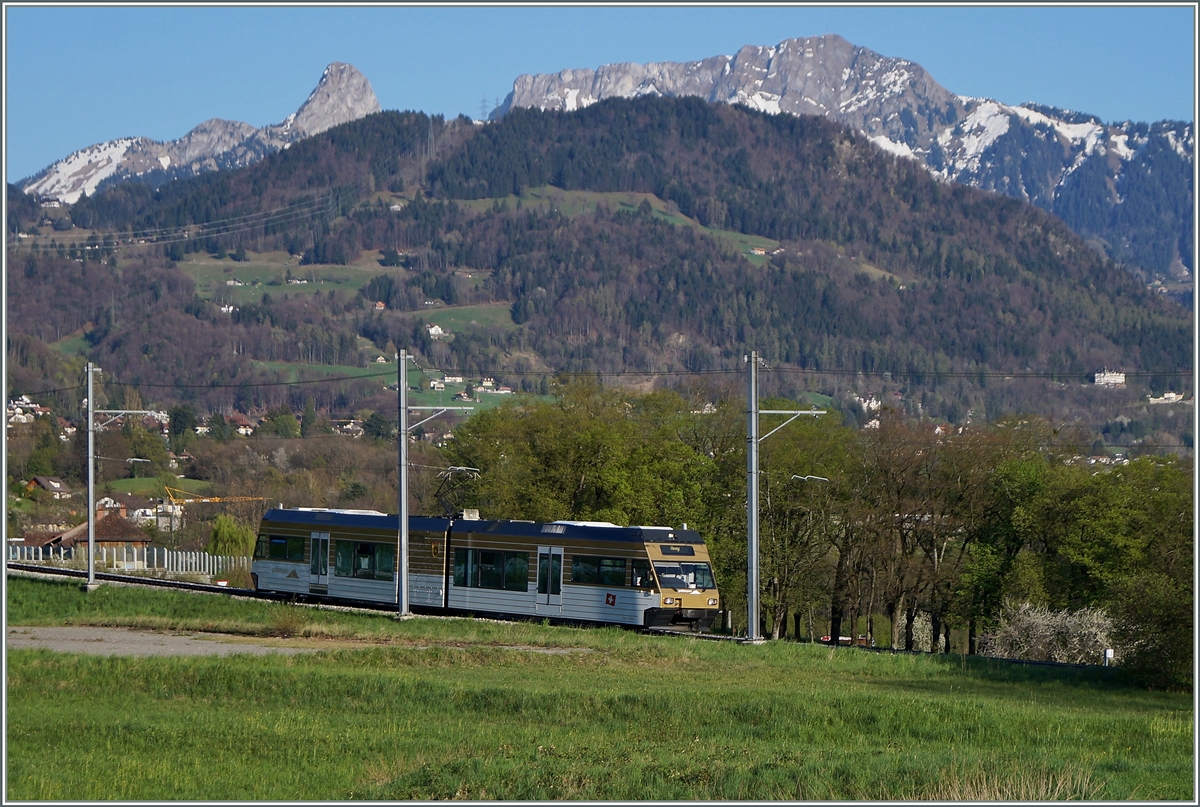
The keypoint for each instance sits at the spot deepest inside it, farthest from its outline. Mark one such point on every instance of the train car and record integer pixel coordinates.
(565, 570)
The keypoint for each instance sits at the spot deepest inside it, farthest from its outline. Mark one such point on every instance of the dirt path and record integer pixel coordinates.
(126, 642)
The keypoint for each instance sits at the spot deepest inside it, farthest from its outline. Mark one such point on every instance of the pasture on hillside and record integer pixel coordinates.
(465, 708)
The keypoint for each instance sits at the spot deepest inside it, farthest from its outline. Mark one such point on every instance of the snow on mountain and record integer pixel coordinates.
(1029, 151)
(82, 171)
(342, 95)
(1184, 145)
(967, 142)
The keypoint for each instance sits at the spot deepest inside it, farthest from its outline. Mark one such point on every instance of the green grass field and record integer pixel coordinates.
(574, 203)
(266, 273)
(454, 708)
(73, 345)
(461, 318)
(144, 487)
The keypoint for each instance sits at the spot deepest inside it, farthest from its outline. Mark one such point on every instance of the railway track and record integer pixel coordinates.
(310, 600)
(180, 585)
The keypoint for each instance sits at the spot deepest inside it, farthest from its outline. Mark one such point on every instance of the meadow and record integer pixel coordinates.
(459, 708)
(267, 272)
(577, 202)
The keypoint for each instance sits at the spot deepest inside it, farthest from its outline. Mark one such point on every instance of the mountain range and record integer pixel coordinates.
(649, 235)
(1126, 186)
(343, 94)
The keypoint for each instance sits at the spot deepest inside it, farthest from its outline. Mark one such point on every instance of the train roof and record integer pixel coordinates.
(593, 531)
(363, 519)
(585, 530)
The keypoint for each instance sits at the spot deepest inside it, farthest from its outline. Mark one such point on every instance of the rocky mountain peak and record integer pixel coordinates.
(342, 95)
(1069, 163)
(820, 75)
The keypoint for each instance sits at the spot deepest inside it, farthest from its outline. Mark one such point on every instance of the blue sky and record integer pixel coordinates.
(75, 76)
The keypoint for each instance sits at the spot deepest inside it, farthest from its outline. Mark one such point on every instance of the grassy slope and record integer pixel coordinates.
(573, 203)
(434, 708)
(142, 487)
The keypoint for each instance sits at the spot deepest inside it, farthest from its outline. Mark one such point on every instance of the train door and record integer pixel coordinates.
(549, 579)
(318, 569)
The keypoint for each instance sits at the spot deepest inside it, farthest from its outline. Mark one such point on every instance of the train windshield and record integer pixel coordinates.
(684, 575)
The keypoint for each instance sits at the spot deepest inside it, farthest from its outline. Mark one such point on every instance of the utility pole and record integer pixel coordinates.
(402, 440)
(402, 605)
(92, 411)
(91, 432)
(752, 442)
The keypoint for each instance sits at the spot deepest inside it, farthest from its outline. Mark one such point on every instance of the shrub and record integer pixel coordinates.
(1035, 633)
(1153, 623)
(230, 537)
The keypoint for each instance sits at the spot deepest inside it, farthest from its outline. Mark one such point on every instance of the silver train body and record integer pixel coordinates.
(652, 577)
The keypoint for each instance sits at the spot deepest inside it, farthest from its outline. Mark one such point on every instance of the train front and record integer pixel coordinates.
(688, 594)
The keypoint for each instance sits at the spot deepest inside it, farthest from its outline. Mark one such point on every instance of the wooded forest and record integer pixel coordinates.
(882, 274)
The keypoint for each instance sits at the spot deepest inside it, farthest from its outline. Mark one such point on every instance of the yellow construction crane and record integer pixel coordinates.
(178, 496)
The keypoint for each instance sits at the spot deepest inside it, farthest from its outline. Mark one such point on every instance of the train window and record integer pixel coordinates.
(280, 548)
(385, 561)
(605, 571)
(485, 568)
(641, 574)
(584, 570)
(491, 570)
(669, 550)
(612, 572)
(365, 560)
(343, 564)
(684, 575)
(462, 567)
(262, 548)
(295, 548)
(516, 571)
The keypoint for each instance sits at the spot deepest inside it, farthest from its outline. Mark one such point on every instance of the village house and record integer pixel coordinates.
(52, 485)
(113, 531)
(435, 331)
(126, 505)
(241, 424)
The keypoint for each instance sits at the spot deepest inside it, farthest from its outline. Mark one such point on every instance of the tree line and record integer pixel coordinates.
(949, 525)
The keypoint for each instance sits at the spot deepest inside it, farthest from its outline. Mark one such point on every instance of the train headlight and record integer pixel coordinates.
(668, 600)
(712, 600)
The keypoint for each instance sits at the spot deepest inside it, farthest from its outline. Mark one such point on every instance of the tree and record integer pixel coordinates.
(182, 427)
(378, 427)
(218, 429)
(281, 421)
(800, 521)
(230, 537)
(308, 422)
(143, 444)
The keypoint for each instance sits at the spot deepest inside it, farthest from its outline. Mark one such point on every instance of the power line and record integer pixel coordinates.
(585, 374)
(60, 389)
(170, 235)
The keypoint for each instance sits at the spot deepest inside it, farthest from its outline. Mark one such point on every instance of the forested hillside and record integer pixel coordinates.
(875, 271)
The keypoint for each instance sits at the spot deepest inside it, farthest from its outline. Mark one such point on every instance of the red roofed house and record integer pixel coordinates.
(55, 486)
(113, 531)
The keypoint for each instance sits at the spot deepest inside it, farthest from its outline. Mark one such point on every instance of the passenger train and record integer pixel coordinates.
(650, 577)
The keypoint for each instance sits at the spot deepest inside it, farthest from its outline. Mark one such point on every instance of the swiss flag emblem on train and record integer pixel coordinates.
(610, 599)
